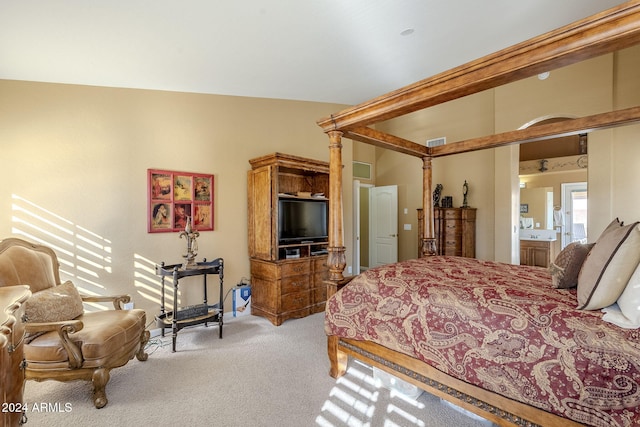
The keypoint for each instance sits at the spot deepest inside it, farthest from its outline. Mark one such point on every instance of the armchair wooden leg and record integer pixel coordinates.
(101, 377)
(144, 339)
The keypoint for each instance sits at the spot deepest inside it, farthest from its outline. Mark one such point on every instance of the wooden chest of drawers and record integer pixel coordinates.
(454, 230)
(286, 289)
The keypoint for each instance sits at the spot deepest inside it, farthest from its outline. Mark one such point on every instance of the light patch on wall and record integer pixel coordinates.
(148, 284)
(85, 257)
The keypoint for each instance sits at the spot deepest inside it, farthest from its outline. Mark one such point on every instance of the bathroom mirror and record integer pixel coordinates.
(536, 208)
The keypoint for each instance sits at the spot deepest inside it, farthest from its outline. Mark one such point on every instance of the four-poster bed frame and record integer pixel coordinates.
(605, 32)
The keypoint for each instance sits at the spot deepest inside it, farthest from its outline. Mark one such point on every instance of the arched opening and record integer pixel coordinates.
(572, 145)
(553, 189)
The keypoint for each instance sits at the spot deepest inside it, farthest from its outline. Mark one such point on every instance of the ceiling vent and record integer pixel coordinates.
(437, 141)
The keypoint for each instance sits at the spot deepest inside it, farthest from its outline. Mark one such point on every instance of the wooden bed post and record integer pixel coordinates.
(337, 259)
(428, 247)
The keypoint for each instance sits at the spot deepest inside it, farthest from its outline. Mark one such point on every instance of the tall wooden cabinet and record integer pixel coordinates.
(286, 277)
(454, 230)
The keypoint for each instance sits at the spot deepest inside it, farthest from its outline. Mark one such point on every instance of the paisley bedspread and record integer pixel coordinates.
(501, 327)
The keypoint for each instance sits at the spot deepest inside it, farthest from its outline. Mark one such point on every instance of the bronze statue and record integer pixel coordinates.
(465, 191)
(436, 195)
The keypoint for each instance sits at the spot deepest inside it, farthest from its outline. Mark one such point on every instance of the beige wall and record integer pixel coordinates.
(74, 165)
(579, 90)
(625, 154)
(75, 161)
(594, 86)
(457, 120)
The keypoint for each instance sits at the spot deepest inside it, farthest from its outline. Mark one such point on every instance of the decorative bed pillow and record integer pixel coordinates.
(566, 267)
(608, 267)
(62, 302)
(613, 314)
(629, 301)
(613, 225)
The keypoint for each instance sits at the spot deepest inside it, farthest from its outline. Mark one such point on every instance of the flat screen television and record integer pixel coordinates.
(302, 220)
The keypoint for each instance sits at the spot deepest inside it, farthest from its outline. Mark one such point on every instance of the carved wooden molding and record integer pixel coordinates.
(556, 164)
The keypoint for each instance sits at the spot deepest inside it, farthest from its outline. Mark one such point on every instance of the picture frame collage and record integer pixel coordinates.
(173, 196)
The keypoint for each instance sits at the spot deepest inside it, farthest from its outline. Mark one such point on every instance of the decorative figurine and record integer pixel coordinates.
(465, 191)
(436, 195)
(192, 245)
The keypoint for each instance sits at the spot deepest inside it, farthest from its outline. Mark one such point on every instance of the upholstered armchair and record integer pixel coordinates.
(64, 342)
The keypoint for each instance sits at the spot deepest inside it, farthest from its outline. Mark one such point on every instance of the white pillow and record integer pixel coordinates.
(608, 267)
(629, 301)
(612, 314)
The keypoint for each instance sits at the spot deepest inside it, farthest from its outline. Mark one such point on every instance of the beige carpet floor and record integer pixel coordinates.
(257, 375)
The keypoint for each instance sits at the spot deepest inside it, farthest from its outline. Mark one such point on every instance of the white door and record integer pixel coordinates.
(383, 231)
(574, 210)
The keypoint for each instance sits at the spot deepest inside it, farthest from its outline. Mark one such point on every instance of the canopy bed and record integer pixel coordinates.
(605, 32)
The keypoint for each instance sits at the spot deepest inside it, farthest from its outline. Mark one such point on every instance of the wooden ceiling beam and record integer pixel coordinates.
(605, 32)
(385, 140)
(540, 132)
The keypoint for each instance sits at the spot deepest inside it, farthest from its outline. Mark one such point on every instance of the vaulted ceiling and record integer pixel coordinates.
(339, 51)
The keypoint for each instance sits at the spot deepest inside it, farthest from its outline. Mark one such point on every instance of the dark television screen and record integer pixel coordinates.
(302, 220)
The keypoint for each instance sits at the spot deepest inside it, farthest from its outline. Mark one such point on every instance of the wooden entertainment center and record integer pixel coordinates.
(286, 276)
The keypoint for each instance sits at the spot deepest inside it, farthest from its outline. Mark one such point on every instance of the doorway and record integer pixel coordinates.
(574, 213)
(360, 227)
(385, 225)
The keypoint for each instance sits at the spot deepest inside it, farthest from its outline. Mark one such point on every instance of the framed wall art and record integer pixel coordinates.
(174, 196)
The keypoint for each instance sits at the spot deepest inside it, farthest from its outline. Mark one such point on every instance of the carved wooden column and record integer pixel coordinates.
(337, 260)
(428, 247)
